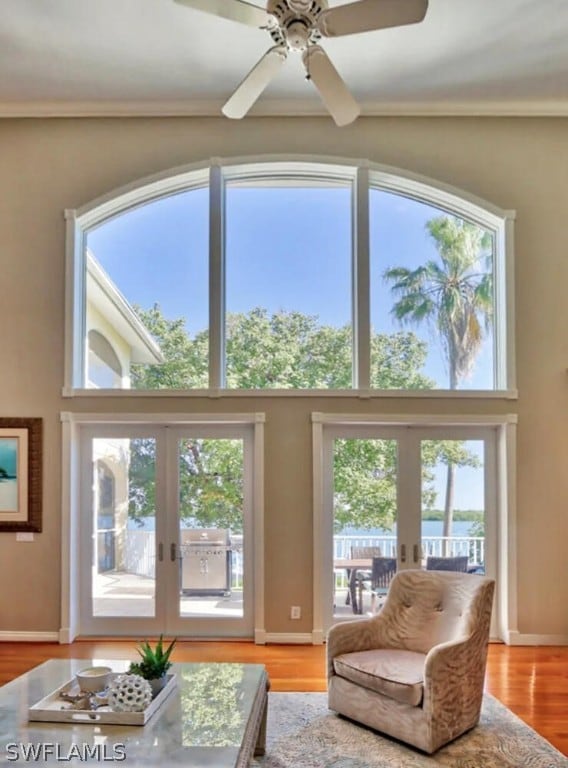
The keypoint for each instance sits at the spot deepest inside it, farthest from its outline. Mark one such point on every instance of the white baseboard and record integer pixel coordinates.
(518, 638)
(288, 638)
(29, 637)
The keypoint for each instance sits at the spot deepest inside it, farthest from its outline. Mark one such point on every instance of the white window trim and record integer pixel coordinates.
(71, 482)
(506, 534)
(363, 174)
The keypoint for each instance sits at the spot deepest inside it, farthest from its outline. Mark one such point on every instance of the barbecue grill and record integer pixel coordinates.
(206, 561)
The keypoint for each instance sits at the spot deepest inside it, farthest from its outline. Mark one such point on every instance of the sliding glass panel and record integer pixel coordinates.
(453, 505)
(365, 512)
(288, 284)
(124, 513)
(211, 489)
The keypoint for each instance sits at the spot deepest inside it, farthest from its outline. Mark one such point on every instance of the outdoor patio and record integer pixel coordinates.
(117, 593)
(127, 594)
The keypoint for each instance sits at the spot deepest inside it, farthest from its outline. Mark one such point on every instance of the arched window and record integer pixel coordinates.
(104, 370)
(295, 275)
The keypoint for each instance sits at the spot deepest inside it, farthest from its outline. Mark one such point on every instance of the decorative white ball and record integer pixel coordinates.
(129, 693)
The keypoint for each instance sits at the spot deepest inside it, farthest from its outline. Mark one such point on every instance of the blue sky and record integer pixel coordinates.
(287, 248)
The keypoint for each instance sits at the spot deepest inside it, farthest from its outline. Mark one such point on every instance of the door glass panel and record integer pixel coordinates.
(211, 487)
(453, 505)
(364, 522)
(123, 541)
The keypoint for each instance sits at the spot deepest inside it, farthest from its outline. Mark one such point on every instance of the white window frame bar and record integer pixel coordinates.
(361, 277)
(216, 277)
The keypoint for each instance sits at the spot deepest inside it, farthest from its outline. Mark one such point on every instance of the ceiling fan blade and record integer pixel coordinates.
(333, 91)
(235, 10)
(255, 82)
(365, 15)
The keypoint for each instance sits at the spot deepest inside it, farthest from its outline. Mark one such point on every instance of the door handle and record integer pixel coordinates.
(160, 552)
(416, 553)
(173, 552)
(403, 553)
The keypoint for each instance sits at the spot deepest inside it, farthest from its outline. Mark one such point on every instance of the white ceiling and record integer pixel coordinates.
(91, 57)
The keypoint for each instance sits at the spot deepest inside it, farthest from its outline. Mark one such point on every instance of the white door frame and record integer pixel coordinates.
(73, 426)
(499, 479)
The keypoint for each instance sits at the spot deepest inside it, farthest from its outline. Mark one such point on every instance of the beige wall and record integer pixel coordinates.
(49, 165)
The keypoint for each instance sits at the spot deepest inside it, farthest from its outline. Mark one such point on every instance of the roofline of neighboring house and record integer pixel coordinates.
(114, 307)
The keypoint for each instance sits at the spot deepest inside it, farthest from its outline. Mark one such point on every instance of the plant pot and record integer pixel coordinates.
(157, 684)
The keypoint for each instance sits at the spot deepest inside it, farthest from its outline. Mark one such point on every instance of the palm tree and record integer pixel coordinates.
(454, 296)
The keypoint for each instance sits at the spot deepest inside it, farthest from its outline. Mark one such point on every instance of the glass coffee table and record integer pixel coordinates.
(215, 716)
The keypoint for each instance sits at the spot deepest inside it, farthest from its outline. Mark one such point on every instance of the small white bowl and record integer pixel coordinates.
(94, 679)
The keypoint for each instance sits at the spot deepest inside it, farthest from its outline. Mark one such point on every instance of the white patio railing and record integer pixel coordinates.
(140, 548)
(436, 546)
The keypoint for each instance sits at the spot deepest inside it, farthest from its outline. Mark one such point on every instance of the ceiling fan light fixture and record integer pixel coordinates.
(297, 35)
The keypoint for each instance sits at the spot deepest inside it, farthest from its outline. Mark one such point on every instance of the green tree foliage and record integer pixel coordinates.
(186, 363)
(213, 700)
(211, 483)
(282, 350)
(454, 296)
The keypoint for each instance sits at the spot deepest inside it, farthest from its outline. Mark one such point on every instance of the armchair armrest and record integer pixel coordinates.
(360, 635)
(462, 658)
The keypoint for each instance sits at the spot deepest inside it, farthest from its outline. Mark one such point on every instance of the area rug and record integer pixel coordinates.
(303, 733)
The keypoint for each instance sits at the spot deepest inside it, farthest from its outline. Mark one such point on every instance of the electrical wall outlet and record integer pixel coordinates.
(295, 612)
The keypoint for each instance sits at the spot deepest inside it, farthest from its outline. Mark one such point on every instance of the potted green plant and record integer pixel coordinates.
(154, 663)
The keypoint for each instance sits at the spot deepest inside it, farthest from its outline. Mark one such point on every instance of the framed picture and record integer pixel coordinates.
(20, 474)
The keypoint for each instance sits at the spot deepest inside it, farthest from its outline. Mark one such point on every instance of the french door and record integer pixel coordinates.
(415, 496)
(165, 530)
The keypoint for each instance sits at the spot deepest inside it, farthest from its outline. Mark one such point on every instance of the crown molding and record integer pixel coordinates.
(279, 108)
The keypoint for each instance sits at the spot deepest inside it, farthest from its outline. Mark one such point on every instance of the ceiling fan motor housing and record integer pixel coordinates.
(297, 20)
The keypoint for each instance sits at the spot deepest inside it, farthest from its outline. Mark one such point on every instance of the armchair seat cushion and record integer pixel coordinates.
(398, 674)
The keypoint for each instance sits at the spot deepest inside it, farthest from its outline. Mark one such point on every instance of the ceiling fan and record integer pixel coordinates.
(299, 25)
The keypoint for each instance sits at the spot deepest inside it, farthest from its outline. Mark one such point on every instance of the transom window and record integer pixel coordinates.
(290, 276)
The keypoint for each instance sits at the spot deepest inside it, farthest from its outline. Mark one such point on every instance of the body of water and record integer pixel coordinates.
(429, 528)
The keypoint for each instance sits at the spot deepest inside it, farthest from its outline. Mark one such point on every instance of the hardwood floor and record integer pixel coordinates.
(531, 681)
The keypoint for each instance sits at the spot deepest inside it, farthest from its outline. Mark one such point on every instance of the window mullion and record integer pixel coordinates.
(216, 277)
(361, 283)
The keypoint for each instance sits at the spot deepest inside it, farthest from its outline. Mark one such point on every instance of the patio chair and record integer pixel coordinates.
(415, 671)
(384, 569)
(448, 563)
(357, 576)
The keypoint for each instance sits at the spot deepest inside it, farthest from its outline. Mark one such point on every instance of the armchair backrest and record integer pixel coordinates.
(426, 608)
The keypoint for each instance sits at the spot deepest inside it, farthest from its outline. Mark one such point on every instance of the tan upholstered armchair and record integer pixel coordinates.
(416, 670)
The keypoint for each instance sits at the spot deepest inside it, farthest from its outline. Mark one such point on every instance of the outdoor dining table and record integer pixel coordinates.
(352, 566)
